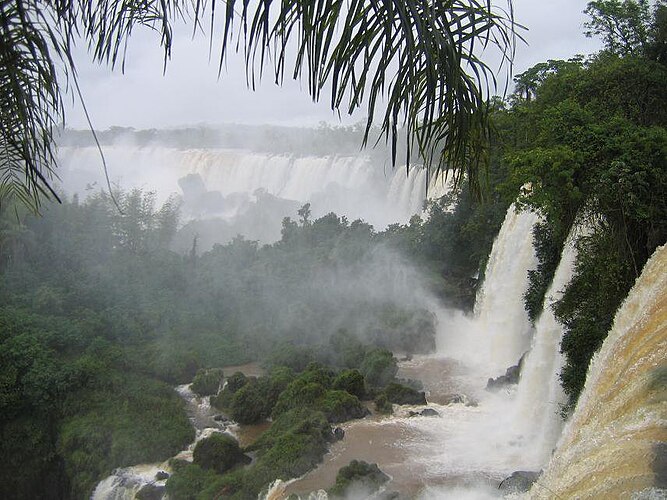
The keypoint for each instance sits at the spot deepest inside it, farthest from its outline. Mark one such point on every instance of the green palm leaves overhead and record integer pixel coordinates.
(412, 64)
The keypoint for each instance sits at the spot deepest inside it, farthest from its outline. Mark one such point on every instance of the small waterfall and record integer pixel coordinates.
(499, 309)
(614, 445)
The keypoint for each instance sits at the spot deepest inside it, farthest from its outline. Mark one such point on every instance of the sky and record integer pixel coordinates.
(190, 93)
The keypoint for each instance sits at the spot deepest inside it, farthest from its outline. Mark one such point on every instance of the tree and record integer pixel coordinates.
(419, 57)
(624, 26)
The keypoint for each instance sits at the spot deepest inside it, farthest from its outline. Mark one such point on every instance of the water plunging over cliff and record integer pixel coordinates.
(614, 446)
(233, 179)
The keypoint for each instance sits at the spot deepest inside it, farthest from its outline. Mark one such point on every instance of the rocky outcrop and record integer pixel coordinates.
(519, 482)
(150, 491)
(426, 412)
(512, 375)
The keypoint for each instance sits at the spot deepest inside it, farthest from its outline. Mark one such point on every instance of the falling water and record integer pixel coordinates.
(348, 185)
(500, 331)
(614, 446)
(539, 395)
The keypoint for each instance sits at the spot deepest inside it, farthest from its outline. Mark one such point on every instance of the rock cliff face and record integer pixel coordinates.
(614, 446)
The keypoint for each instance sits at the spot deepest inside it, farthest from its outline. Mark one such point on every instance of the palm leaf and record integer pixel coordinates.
(411, 64)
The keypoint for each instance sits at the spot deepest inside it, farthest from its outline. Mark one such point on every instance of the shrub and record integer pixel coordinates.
(402, 395)
(382, 404)
(356, 478)
(207, 382)
(339, 406)
(379, 367)
(219, 452)
(351, 381)
(251, 403)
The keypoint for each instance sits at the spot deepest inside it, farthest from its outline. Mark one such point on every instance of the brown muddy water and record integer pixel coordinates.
(391, 441)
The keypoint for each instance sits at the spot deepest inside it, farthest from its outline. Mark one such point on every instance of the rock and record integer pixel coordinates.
(338, 434)
(402, 395)
(220, 418)
(455, 399)
(356, 478)
(519, 482)
(161, 475)
(512, 375)
(150, 491)
(426, 412)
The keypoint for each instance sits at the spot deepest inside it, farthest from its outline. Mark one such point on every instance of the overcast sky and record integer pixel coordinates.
(190, 92)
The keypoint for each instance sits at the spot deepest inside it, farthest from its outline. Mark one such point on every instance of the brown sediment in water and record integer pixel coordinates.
(384, 439)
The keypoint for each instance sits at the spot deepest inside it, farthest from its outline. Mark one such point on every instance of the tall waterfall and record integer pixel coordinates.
(353, 186)
(500, 313)
(539, 393)
(614, 446)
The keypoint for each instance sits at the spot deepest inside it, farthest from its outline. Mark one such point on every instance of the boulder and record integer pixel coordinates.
(403, 395)
(519, 482)
(426, 412)
(161, 475)
(150, 491)
(512, 375)
(338, 434)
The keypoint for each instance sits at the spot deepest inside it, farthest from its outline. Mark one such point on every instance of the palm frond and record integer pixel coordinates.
(412, 64)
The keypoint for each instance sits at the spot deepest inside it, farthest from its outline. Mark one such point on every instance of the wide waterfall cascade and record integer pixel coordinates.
(500, 316)
(348, 185)
(539, 394)
(614, 445)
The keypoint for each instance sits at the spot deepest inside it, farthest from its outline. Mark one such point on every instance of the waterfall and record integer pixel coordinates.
(614, 444)
(500, 315)
(539, 393)
(352, 186)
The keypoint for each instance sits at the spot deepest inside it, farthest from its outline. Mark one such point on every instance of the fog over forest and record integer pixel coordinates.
(213, 293)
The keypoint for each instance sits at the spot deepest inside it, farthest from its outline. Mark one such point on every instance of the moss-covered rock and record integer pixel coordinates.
(383, 405)
(403, 395)
(351, 381)
(379, 367)
(207, 382)
(340, 406)
(252, 403)
(358, 478)
(219, 453)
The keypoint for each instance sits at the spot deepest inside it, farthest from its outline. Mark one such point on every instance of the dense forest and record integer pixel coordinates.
(100, 318)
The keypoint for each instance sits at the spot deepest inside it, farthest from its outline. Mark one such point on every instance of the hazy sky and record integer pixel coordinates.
(190, 92)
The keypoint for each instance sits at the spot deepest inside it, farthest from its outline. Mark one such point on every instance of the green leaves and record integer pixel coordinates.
(409, 63)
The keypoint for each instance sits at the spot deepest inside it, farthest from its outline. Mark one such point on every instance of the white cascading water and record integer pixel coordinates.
(539, 395)
(350, 186)
(500, 332)
(614, 444)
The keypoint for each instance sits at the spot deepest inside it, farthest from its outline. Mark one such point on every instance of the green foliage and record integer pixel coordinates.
(601, 281)
(403, 395)
(383, 405)
(251, 403)
(351, 381)
(189, 480)
(207, 382)
(236, 381)
(379, 367)
(548, 249)
(358, 477)
(623, 25)
(219, 452)
(592, 151)
(340, 406)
